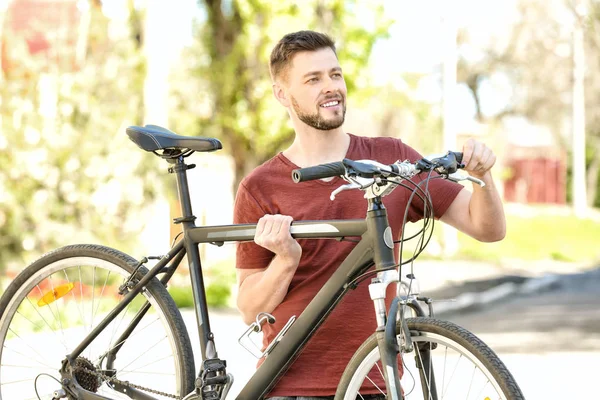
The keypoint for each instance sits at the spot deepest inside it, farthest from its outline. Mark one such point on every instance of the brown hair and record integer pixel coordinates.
(293, 43)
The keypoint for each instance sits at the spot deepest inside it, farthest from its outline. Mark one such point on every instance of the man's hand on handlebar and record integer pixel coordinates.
(478, 158)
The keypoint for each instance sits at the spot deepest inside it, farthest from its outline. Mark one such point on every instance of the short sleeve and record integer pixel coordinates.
(442, 191)
(247, 210)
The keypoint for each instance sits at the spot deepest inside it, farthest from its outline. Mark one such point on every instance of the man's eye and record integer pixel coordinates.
(337, 75)
(313, 79)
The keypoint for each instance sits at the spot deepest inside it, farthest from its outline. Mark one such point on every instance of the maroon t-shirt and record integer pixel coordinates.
(269, 189)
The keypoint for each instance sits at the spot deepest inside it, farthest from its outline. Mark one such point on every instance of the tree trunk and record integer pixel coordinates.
(593, 171)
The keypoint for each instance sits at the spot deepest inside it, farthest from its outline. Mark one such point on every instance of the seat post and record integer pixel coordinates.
(207, 345)
(180, 169)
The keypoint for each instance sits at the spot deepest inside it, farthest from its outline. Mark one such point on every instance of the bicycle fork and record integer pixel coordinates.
(386, 332)
(387, 338)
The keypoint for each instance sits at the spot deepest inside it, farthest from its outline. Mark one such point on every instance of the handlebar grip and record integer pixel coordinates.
(318, 172)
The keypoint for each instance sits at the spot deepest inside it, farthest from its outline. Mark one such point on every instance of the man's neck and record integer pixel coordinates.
(312, 147)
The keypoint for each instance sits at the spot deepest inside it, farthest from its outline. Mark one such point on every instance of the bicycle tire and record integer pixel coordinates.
(439, 337)
(74, 286)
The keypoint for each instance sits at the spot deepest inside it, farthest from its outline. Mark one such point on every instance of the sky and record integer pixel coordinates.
(416, 31)
(418, 36)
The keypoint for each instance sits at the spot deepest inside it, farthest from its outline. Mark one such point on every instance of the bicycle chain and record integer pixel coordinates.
(125, 383)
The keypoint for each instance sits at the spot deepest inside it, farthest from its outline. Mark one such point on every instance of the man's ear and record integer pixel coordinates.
(281, 95)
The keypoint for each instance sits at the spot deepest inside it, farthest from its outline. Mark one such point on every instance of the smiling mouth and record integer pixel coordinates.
(332, 103)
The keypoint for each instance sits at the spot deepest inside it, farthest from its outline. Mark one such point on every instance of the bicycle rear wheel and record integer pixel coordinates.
(447, 362)
(55, 302)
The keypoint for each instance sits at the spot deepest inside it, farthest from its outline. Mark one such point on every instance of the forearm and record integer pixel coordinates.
(487, 212)
(264, 291)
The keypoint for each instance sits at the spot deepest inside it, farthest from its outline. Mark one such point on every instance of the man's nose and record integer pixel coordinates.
(330, 85)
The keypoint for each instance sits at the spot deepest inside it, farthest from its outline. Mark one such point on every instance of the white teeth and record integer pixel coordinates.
(331, 104)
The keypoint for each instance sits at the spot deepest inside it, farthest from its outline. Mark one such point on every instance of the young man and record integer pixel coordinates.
(281, 275)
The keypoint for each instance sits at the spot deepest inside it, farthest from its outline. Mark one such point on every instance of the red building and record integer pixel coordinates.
(536, 175)
(48, 28)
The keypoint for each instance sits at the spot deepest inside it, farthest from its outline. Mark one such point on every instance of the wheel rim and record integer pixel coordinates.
(459, 375)
(53, 311)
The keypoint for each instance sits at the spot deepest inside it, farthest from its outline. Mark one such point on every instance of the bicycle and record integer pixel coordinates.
(97, 305)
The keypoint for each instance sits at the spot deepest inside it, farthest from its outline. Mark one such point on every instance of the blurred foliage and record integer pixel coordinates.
(220, 278)
(182, 296)
(230, 96)
(396, 111)
(533, 55)
(69, 173)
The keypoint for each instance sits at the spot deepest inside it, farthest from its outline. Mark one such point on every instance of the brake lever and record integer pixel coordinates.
(457, 177)
(356, 182)
(349, 186)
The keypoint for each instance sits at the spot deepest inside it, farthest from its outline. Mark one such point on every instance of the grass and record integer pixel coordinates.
(541, 237)
(532, 235)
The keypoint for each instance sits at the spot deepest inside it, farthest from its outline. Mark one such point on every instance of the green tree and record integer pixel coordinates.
(69, 173)
(534, 54)
(232, 96)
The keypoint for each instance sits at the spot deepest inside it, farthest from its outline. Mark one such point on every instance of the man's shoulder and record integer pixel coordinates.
(264, 172)
(381, 147)
(382, 141)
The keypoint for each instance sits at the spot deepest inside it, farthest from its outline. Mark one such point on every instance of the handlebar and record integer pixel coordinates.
(445, 165)
(319, 172)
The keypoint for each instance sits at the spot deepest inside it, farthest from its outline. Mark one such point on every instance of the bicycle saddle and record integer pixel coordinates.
(153, 138)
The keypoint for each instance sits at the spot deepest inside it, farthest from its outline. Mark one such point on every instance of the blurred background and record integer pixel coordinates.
(523, 76)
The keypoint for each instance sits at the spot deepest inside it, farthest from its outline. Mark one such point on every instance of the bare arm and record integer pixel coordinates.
(479, 214)
(261, 290)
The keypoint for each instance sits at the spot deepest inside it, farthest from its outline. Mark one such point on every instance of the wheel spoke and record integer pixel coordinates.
(135, 333)
(35, 325)
(444, 371)
(101, 294)
(487, 383)
(62, 331)
(148, 364)
(445, 390)
(36, 309)
(440, 348)
(138, 357)
(81, 295)
(28, 357)
(34, 337)
(93, 298)
(74, 298)
(427, 382)
(117, 326)
(472, 377)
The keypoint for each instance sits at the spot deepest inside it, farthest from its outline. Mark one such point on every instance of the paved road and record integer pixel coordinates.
(542, 375)
(549, 340)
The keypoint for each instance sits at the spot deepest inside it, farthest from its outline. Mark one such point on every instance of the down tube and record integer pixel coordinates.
(309, 321)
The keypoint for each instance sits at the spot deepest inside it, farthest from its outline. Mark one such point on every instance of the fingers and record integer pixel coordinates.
(273, 232)
(477, 157)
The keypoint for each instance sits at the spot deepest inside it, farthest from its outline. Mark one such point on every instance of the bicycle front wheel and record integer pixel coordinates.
(448, 362)
(54, 303)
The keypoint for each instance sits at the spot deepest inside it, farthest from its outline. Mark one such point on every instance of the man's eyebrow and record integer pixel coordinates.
(313, 73)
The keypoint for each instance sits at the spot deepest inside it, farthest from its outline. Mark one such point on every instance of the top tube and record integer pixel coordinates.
(300, 230)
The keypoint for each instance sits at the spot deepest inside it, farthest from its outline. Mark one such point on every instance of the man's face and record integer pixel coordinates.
(317, 89)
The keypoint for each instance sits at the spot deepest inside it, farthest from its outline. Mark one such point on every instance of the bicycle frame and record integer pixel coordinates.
(375, 247)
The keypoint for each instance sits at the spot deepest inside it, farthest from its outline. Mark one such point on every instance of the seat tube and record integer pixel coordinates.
(207, 345)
